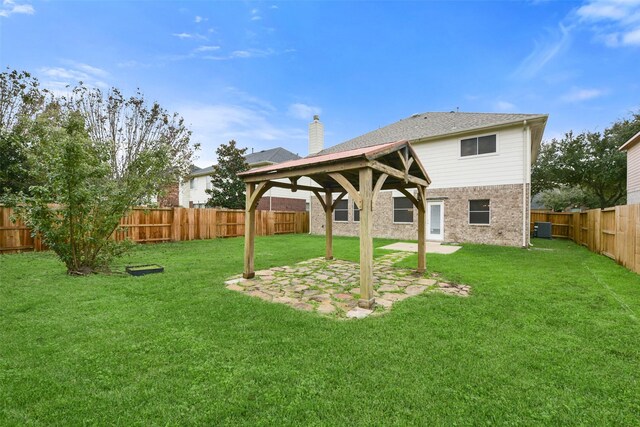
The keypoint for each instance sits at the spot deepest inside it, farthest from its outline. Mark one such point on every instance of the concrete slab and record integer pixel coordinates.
(432, 248)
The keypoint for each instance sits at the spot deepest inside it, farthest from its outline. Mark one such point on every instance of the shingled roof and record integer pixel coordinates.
(428, 125)
(259, 158)
(274, 155)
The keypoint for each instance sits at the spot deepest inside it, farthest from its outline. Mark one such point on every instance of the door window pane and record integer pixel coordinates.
(434, 226)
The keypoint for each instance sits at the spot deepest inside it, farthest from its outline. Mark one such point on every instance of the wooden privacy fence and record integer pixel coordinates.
(613, 232)
(167, 224)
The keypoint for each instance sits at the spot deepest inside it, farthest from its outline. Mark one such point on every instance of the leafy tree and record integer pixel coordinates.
(589, 161)
(20, 99)
(96, 155)
(558, 199)
(228, 190)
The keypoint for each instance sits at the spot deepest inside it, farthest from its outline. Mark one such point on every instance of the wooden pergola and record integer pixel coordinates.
(359, 173)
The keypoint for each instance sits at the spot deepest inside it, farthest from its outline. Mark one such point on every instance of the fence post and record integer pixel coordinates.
(175, 224)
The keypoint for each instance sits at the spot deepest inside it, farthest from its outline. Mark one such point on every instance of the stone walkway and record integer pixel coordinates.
(432, 248)
(332, 288)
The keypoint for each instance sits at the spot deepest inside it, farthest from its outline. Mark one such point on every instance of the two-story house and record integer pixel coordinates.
(632, 147)
(480, 167)
(193, 189)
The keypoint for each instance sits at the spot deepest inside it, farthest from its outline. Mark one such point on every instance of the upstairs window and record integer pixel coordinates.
(478, 145)
(480, 212)
(356, 213)
(402, 210)
(192, 183)
(341, 212)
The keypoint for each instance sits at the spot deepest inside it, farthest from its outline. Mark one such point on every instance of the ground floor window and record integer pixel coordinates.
(341, 212)
(480, 212)
(356, 213)
(402, 210)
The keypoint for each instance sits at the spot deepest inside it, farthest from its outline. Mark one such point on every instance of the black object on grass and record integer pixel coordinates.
(141, 270)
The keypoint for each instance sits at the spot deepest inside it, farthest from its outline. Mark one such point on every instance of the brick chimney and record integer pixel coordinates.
(316, 135)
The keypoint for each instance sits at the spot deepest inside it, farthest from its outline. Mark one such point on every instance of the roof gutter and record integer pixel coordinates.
(534, 120)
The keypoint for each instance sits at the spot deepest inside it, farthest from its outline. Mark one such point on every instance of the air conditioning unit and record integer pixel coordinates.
(542, 230)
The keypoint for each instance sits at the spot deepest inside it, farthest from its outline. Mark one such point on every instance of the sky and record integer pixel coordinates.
(257, 71)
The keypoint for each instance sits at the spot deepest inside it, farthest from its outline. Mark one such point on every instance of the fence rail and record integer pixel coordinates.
(166, 224)
(613, 232)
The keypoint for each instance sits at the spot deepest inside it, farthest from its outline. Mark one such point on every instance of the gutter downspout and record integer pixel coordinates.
(525, 168)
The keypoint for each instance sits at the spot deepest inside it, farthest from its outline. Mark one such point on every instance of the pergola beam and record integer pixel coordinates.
(308, 171)
(380, 167)
(298, 186)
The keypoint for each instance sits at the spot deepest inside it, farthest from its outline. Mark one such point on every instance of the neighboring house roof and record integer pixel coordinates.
(429, 125)
(631, 142)
(259, 158)
(274, 155)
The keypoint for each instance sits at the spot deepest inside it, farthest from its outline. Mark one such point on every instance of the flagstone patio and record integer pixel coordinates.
(332, 288)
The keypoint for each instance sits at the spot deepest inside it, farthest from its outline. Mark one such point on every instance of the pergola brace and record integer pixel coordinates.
(344, 183)
(411, 197)
(257, 193)
(380, 167)
(376, 190)
(317, 193)
(337, 200)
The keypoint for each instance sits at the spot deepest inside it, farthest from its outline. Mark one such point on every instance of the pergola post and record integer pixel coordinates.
(422, 244)
(366, 239)
(249, 233)
(328, 225)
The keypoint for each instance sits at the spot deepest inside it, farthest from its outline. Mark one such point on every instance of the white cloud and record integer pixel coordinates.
(544, 52)
(59, 79)
(187, 36)
(303, 111)
(578, 95)
(206, 48)
(615, 22)
(632, 37)
(504, 106)
(216, 124)
(10, 7)
(243, 54)
(199, 19)
(255, 15)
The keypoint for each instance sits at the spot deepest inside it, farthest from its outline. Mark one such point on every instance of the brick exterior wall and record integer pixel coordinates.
(171, 199)
(282, 204)
(506, 216)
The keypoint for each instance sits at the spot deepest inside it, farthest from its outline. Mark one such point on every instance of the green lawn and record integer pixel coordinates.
(549, 336)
